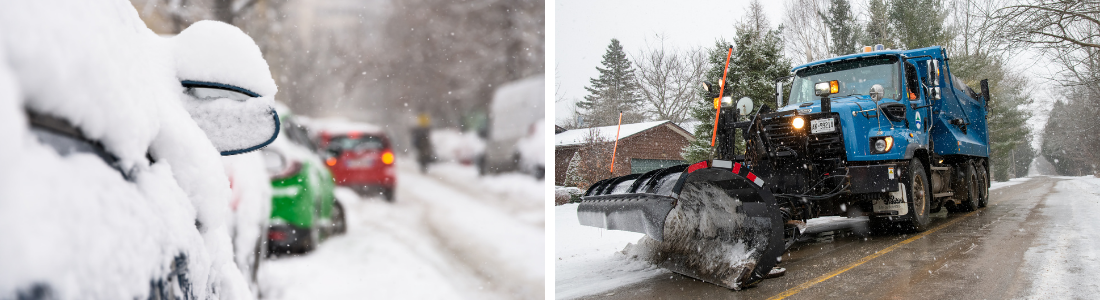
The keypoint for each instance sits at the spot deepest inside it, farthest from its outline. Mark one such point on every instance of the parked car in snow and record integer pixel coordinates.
(250, 209)
(112, 186)
(452, 145)
(304, 210)
(359, 155)
(530, 150)
(515, 108)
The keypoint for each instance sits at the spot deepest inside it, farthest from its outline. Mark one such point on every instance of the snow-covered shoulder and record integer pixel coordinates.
(589, 260)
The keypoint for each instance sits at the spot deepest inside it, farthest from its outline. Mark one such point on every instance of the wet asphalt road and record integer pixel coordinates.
(978, 255)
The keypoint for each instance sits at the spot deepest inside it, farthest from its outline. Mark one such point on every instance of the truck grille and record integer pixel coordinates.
(783, 140)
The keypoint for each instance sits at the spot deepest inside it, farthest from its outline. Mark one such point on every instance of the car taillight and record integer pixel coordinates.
(387, 158)
(331, 161)
(276, 235)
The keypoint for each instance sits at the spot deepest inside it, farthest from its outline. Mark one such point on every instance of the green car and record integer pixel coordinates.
(304, 211)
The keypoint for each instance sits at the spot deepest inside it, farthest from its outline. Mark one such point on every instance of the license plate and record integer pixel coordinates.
(360, 163)
(822, 126)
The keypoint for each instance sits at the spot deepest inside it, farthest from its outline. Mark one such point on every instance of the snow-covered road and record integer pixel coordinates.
(591, 262)
(449, 235)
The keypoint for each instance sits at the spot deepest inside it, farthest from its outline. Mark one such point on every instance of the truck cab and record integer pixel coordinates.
(856, 131)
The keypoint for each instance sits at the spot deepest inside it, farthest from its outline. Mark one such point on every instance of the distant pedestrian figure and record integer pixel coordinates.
(422, 142)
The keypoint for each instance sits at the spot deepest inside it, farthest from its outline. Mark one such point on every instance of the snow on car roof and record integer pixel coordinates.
(607, 133)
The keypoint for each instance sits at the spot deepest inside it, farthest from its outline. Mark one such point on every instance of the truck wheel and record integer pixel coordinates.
(970, 202)
(918, 191)
(983, 184)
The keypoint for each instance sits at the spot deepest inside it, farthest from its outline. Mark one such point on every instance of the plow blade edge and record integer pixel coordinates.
(712, 224)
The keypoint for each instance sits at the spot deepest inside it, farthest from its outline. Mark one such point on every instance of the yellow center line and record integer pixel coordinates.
(865, 259)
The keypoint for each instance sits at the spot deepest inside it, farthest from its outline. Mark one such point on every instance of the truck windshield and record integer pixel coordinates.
(856, 78)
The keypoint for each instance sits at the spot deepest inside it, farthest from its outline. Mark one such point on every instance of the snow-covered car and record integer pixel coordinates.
(112, 187)
(250, 207)
(304, 210)
(452, 145)
(530, 150)
(515, 108)
(359, 155)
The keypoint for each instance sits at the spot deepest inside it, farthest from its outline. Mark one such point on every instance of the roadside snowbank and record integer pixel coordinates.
(1064, 259)
(502, 247)
(384, 255)
(590, 260)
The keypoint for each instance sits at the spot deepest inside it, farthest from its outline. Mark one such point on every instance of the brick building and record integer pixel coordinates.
(642, 147)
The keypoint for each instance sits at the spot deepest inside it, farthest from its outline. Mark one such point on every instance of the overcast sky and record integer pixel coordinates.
(585, 28)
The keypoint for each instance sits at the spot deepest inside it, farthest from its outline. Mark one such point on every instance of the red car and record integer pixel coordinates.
(360, 159)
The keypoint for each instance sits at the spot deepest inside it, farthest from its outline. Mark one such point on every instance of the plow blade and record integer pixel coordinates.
(713, 224)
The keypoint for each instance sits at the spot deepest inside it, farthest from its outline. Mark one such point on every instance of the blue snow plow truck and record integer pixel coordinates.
(887, 134)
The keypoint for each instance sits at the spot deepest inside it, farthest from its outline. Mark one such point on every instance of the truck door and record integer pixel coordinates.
(921, 117)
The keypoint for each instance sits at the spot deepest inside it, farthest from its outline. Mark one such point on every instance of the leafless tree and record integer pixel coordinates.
(805, 31)
(1066, 30)
(668, 79)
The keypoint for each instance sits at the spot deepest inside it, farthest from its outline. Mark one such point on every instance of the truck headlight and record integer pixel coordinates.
(881, 144)
(798, 123)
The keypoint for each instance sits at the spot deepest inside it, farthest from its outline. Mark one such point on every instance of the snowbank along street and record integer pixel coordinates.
(448, 235)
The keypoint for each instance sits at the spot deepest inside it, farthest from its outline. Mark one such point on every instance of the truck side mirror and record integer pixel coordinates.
(934, 73)
(933, 67)
(985, 91)
(710, 89)
(779, 93)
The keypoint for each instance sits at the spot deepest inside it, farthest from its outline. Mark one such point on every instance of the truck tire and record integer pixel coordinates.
(971, 199)
(918, 192)
(983, 183)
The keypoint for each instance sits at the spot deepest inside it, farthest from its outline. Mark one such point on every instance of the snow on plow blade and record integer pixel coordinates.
(713, 224)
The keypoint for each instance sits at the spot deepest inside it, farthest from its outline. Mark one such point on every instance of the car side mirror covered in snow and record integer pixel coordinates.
(227, 86)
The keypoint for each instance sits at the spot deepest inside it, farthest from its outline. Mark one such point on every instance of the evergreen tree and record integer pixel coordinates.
(614, 91)
(756, 62)
(572, 172)
(878, 29)
(844, 32)
(919, 23)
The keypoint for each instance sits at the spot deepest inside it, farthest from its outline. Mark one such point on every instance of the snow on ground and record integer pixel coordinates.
(505, 244)
(447, 236)
(590, 260)
(1011, 182)
(1066, 257)
(385, 254)
(587, 260)
(518, 194)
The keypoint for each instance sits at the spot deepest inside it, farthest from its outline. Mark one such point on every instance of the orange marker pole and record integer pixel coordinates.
(616, 149)
(721, 90)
